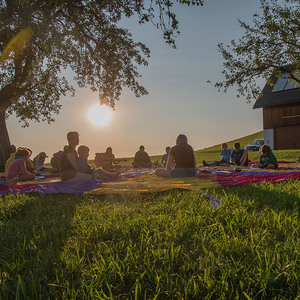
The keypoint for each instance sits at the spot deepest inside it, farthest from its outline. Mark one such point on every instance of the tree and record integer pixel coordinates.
(41, 38)
(270, 46)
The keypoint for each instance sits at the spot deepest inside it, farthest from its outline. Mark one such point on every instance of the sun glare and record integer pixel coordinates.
(99, 115)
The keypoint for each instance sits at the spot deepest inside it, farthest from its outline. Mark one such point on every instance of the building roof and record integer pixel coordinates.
(284, 92)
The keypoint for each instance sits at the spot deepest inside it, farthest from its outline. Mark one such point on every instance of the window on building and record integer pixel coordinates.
(284, 83)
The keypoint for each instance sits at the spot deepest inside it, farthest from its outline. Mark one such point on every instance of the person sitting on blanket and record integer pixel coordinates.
(18, 167)
(29, 162)
(107, 160)
(164, 158)
(55, 160)
(69, 167)
(239, 156)
(225, 157)
(141, 159)
(84, 167)
(267, 159)
(182, 157)
(39, 164)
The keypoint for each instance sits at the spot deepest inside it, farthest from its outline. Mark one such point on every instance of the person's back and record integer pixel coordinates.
(183, 155)
(181, 161)
(18, 166)
(56, 160)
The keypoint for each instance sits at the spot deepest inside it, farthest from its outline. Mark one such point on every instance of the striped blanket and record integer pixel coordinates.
(144, 180)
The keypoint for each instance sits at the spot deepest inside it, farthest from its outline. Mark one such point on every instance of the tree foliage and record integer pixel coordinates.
(270, 46)
(81, 35)
(41, 38)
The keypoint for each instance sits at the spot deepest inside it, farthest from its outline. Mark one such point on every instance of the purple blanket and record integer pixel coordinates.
(67, 187)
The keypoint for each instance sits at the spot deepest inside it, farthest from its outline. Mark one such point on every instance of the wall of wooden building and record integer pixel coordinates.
(285, 121)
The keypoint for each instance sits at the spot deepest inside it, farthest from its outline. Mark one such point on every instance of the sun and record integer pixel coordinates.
(99, 115)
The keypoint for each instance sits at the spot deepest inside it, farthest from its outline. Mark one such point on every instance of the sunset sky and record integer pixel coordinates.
(180, 100)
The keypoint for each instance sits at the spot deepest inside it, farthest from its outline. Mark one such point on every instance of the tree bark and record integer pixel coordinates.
(4, 140)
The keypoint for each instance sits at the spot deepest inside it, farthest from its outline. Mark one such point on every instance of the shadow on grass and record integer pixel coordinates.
(32, 239)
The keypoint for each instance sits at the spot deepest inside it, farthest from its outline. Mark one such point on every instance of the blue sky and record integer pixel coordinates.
(180, 100)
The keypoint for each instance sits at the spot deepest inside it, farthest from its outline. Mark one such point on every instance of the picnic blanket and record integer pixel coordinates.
(144, 180)
(226, 177)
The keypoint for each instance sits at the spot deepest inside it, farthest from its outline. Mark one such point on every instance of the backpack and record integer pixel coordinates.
(99, 159)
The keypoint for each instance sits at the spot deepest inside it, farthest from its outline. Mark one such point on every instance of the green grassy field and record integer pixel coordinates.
(171, 245)
(213, 153)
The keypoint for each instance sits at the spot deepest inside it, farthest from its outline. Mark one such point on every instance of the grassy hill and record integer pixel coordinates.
(213, 153)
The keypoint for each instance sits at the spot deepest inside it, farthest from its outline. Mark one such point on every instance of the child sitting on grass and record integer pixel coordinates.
(267, 159)
(84, 167)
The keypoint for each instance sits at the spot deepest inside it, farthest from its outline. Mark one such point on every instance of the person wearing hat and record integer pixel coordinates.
(39, 163)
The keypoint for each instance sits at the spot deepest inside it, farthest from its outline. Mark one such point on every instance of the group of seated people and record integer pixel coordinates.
(20, 167)
(74, 166)
(239, 157)
(178, 161)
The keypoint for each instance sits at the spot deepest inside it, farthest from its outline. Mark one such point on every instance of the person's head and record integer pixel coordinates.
(168, 149)
(224, 146)
(42, 156)
(181, 139)
(108, 150)
(83, 151)
(29, 151)
(142, 148)
(58, 154)
(236, 146)
(12, 149)
(23, 152)
(73, 138)
(265, 149)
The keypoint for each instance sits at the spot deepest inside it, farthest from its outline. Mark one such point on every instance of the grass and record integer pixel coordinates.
(213, 153)
(153, 246)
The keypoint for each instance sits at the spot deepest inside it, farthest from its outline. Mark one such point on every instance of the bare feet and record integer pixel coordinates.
(116, 174)
(11, 182)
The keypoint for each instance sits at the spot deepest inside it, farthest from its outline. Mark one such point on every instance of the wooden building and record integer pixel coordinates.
(281, 113)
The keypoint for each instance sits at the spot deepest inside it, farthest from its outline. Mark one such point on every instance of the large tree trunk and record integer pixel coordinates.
(4, 141)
